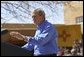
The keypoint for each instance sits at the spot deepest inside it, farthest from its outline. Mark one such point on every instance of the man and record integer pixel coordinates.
(44, 42)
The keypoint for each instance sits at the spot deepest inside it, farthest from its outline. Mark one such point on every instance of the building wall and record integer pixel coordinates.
(71, 11)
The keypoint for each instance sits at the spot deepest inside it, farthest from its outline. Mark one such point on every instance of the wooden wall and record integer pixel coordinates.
(66, 33)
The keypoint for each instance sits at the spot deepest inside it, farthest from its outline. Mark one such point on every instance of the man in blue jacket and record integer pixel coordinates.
(44, 43)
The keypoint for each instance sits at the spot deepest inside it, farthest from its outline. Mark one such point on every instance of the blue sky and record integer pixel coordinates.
(55, 17)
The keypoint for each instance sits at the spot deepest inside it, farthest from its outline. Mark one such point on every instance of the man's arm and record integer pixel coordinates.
(47, 35)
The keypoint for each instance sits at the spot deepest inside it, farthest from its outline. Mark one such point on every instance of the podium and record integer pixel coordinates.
(8, 49)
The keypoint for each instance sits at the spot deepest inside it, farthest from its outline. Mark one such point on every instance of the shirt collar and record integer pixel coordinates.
(42, 24)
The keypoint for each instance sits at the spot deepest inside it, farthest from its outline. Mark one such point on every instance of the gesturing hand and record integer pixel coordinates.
(17, 35)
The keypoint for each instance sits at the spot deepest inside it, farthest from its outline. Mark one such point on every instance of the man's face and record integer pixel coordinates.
(37, 18)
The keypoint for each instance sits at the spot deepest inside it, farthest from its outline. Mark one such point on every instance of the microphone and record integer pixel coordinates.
(4, 31)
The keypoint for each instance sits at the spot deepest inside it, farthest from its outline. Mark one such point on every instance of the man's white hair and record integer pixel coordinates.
(39, 11)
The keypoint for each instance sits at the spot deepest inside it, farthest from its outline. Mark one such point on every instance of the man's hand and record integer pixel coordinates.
(17, 35)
